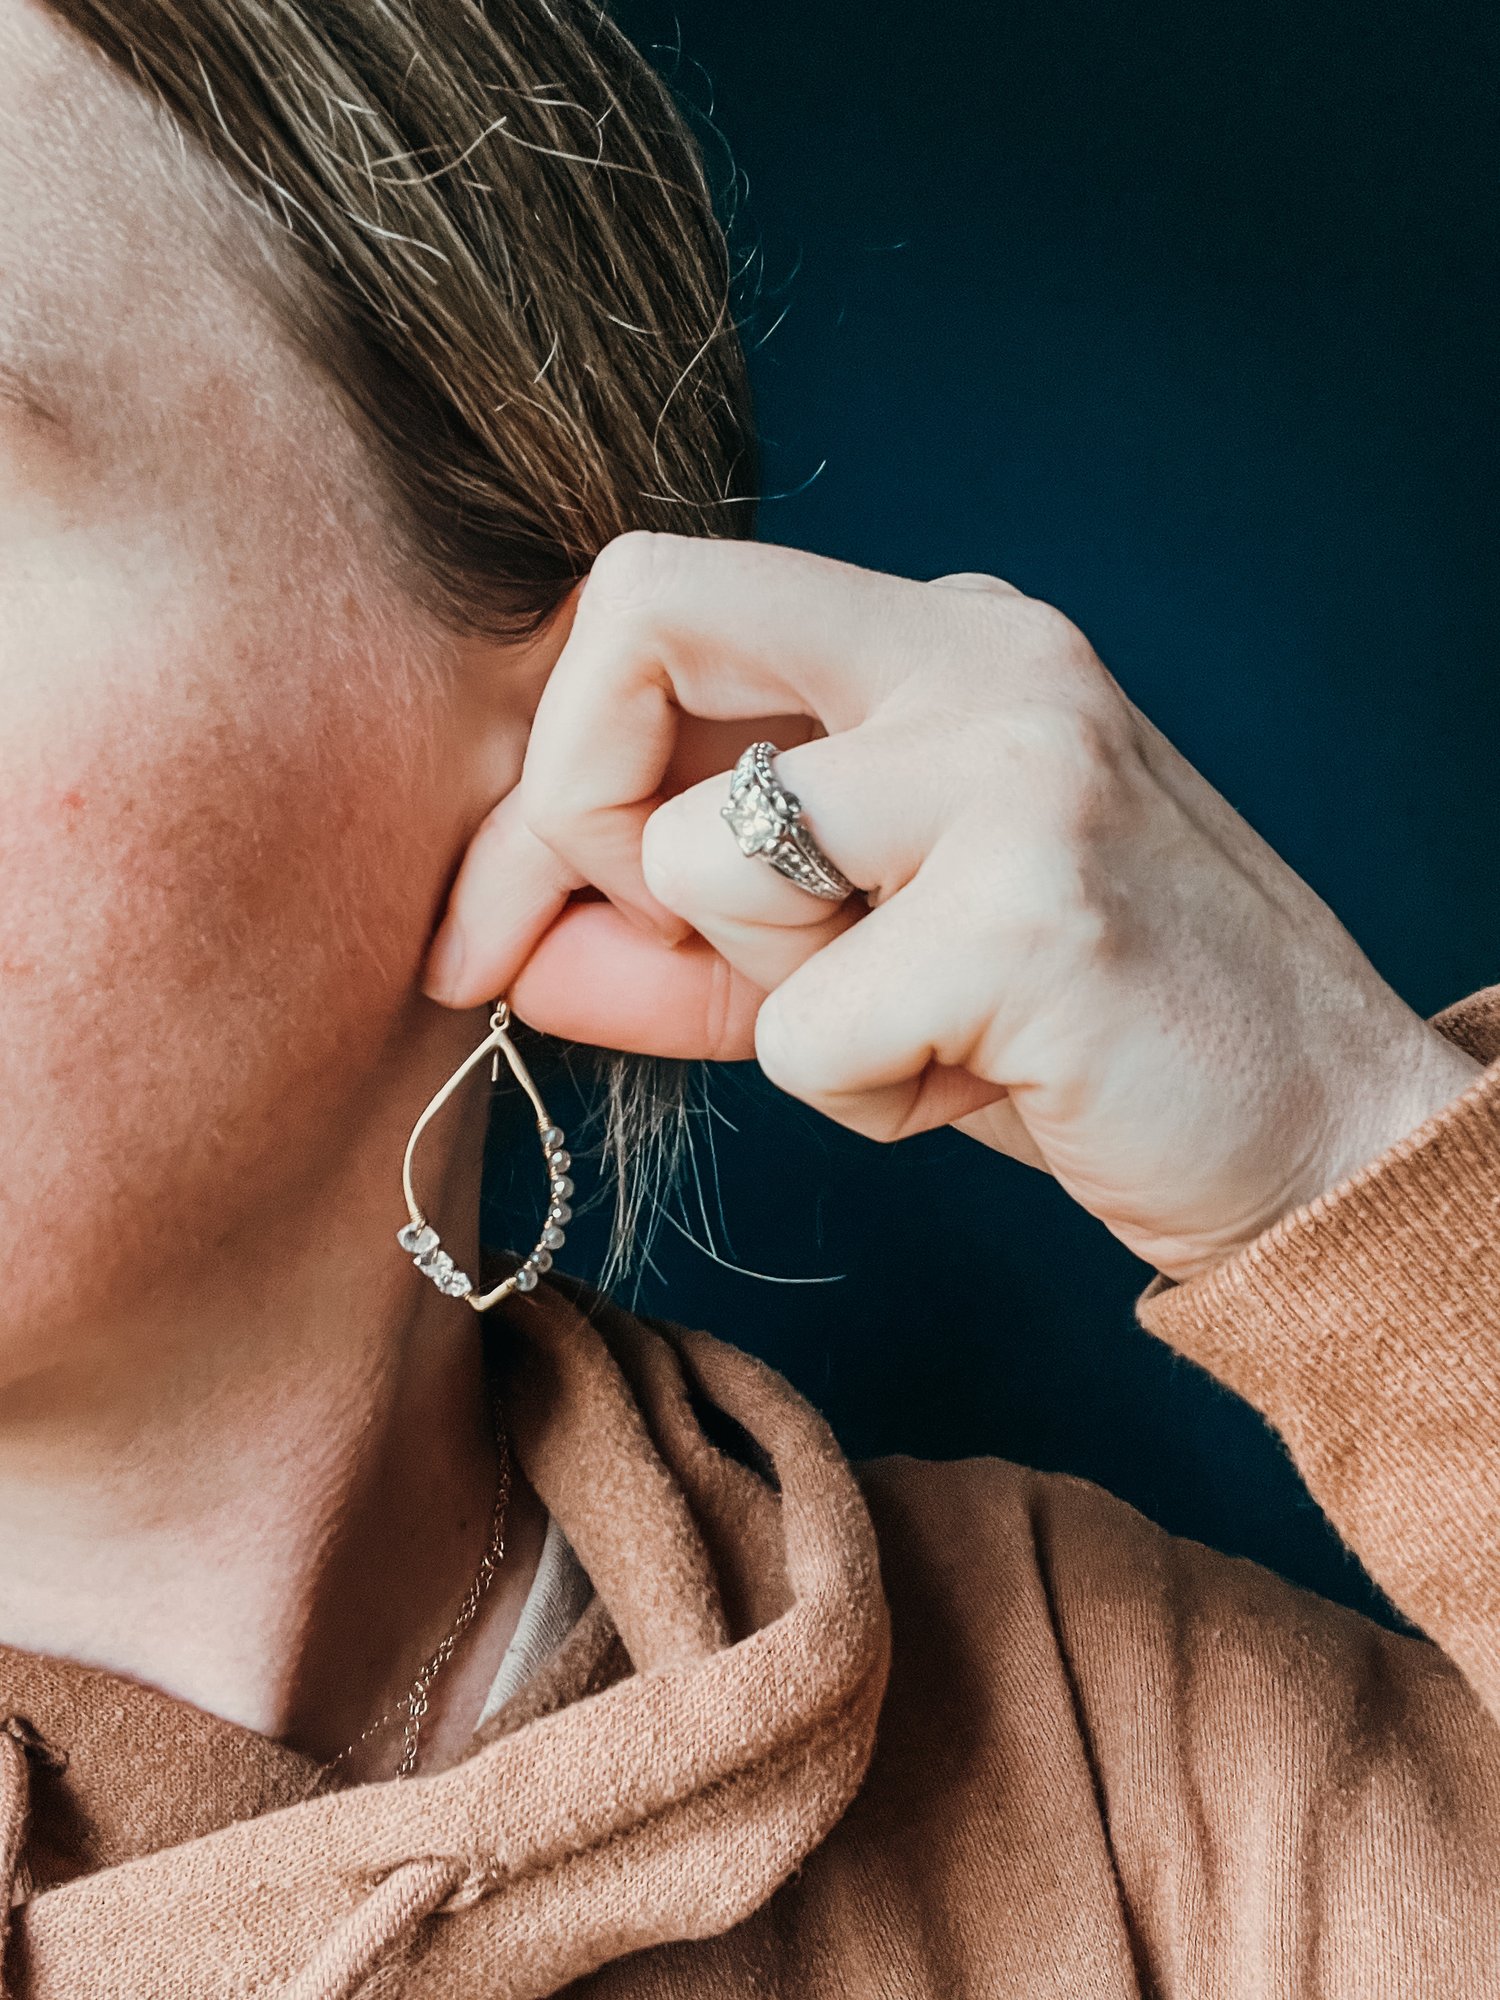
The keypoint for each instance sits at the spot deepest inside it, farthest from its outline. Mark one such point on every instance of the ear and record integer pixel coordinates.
(497, 686)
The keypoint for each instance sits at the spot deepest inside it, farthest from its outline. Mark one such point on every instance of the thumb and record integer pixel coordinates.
(510, 888)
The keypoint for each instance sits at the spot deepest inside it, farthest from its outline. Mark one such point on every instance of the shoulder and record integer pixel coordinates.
(982, 1792)
(970, 1526)
(967, 1562)
(1001, 1538)
(1010, 1572)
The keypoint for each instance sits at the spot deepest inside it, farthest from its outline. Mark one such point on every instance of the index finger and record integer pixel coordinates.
(668, 625)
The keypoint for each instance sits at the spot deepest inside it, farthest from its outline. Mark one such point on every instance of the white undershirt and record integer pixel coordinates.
(554, 1604)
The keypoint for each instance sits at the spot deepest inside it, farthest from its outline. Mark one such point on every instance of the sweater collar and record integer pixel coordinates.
(700, 1731)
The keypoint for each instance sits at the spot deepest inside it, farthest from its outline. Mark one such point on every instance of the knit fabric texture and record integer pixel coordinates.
(909, 1730)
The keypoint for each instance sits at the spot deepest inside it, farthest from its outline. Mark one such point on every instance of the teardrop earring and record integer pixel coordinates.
(421, 1240)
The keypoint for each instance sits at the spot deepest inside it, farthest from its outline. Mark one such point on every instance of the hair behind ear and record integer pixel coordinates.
(492, 226)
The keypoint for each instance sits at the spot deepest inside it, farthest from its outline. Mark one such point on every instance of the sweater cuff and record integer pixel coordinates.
(1473, 1025)
(1366, 1326)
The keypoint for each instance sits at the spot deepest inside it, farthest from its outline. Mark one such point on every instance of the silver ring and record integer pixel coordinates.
(767, 820)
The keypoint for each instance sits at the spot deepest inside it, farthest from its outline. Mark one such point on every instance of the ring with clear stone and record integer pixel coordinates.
(417, 1235)
(766, 819)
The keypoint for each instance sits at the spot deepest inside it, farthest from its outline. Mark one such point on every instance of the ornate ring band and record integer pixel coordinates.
(766, 819)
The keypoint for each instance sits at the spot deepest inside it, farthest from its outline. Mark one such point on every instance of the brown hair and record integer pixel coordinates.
(508, 258)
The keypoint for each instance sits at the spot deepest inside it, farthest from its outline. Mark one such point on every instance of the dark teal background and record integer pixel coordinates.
(1182, 317)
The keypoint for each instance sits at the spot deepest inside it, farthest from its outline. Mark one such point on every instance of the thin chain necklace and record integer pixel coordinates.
(414, 1704)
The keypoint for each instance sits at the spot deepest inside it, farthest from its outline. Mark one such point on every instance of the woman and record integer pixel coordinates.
(356, 1642)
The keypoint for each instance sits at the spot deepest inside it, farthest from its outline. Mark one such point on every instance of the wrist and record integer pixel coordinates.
(1390, 1093)
(1415, 1080)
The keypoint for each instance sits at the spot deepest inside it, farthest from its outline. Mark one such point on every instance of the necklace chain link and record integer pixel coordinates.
(415, 1703)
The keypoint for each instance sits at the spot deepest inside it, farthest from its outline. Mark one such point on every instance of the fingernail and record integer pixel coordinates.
(445, 964)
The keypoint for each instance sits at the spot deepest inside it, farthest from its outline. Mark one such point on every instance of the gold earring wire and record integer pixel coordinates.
(418, 1236)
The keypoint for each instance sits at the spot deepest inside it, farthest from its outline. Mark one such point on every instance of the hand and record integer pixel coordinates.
(1068, 944)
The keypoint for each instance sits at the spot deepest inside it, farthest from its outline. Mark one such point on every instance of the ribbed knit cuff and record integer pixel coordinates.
(1429, 1193)
(1366, 1327)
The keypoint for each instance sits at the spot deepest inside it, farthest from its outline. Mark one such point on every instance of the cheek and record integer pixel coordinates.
(219, 865)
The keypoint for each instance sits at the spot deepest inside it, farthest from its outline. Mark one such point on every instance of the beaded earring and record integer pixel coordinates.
(418, 1237)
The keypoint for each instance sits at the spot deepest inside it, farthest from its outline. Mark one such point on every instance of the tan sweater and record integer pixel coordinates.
(930, 1732)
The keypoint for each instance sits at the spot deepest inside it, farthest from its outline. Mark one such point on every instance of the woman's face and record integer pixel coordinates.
(226, 818)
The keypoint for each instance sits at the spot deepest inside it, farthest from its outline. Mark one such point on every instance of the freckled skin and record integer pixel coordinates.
(220, 847)
(245, 1453)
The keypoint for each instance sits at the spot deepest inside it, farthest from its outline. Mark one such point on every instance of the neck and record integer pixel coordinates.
(266, 1487)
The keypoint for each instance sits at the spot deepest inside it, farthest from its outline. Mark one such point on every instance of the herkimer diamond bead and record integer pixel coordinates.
(437, 1264)
(418, 1238)
(457, 1285)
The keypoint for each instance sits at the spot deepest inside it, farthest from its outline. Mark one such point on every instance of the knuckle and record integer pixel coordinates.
(799, 1057)
(631, 571)
(1030, 642)
(1035, 629)
(551, 813)
(1050, 739)
(785, 1047)
(1028, 632)
(1047, 634)
(1073, 759)
(1052, 912)
(978, 580)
